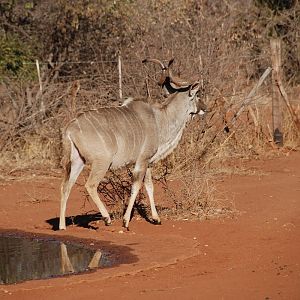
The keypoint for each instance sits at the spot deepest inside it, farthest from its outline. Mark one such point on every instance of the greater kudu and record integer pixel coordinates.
(136, 132)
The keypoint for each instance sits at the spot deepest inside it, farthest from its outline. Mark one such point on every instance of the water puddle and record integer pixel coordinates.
(25, 258)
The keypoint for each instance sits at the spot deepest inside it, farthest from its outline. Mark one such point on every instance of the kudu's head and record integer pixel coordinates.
(172, 84)
(197, 106)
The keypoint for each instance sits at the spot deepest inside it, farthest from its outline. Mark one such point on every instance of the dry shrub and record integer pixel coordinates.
(195, 196)
(291, 134)
(115, 191)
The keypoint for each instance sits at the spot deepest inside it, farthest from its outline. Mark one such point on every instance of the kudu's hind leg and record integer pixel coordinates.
(149, 188)
(97, 173)
(75, 166)
(138, 176)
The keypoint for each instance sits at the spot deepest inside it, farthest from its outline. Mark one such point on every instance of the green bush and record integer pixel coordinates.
(16, 59)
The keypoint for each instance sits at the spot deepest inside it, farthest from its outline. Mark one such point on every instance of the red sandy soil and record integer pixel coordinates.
(255, 255)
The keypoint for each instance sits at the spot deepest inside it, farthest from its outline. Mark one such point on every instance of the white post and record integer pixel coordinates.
(42, 106)
(120, 76)
(39, 74)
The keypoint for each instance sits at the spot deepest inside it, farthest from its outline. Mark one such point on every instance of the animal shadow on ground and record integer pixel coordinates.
(85, 219)
(144, 212)
(79, 220)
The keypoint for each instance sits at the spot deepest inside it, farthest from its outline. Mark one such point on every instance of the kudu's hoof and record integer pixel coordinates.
(107, 221)
(125, 225)
(62, 226)
(156, 222)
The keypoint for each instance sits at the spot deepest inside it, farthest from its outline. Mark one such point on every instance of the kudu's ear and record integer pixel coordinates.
(170, 62)
(194, 88)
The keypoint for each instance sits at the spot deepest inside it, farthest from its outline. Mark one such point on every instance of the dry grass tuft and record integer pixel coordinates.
(197, 197)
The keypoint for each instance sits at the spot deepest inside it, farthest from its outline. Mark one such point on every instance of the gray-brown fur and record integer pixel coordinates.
(118, 134)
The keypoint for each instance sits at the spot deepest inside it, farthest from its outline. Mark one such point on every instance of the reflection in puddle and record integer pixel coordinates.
(23, 258)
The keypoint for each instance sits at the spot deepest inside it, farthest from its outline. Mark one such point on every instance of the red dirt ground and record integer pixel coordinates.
(255, 255)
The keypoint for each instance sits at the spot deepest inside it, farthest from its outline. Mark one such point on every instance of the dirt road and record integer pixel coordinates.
(255, 255)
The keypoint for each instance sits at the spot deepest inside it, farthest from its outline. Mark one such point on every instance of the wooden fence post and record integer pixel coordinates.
(275, 45)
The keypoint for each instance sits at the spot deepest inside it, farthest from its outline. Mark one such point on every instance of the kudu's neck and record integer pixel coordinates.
(171, 120)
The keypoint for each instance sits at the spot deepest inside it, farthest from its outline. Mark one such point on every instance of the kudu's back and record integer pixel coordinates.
(120, 135)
